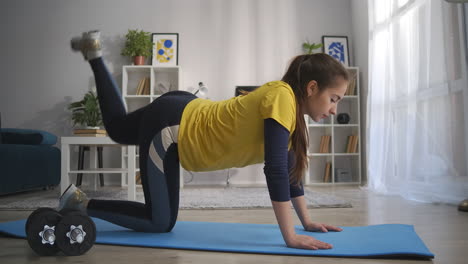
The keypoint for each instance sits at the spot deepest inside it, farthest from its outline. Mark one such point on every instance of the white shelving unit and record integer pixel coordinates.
(93, 143)
(161, 80)
(337, 156)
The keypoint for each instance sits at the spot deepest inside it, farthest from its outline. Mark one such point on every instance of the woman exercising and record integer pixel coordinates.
(266, 125)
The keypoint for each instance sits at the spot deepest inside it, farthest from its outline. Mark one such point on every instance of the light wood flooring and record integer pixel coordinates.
(442, 227)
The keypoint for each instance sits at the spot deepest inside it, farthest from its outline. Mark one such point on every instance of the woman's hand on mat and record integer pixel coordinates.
(306, 242)
(317, 227)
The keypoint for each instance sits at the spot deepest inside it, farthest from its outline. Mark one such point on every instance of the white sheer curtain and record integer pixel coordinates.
(417, 103)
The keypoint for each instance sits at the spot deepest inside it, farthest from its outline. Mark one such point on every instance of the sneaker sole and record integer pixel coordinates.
(76, 44)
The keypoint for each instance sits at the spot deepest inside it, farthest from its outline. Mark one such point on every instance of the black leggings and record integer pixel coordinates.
(154, 129)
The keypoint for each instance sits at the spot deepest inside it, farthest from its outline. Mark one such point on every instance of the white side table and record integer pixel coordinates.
(93, 143)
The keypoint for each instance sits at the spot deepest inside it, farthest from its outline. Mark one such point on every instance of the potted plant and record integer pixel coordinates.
(310, 47)
(138, 45)
(87, 112)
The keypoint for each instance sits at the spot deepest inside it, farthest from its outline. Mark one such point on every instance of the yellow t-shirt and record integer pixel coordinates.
(229, 133)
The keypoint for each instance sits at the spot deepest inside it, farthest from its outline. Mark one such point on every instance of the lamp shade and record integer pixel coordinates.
(202, 91)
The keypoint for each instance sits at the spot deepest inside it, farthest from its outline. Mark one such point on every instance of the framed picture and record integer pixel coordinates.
(337, 47)
(165, 49)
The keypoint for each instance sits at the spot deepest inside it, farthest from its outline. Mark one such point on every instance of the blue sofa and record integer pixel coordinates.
(28, 160)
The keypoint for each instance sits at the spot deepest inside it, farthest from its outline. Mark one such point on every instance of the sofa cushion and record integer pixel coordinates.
(27, 136)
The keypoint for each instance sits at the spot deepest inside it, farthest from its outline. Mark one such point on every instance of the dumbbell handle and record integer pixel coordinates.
(76, 234)
(48, 235)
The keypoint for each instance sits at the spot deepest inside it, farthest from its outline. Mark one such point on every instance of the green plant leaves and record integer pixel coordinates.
(86, 112)
(310, 47)
(138, 43)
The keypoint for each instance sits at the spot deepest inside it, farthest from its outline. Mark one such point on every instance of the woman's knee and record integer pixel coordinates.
(155, 227)
(120, 133)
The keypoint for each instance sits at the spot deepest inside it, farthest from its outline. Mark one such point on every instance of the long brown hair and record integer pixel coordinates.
(325, 70)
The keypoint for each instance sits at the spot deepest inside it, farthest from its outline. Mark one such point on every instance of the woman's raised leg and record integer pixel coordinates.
(121, 127)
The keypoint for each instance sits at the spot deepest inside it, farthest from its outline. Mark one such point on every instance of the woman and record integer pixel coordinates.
(264, 125)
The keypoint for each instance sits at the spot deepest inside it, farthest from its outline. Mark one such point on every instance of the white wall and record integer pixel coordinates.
(360, 22)
(41, 76)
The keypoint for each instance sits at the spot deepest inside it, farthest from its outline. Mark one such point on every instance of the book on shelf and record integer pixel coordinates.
(138, 178)
(355, 144)
(348, 144)
(351, 87)
(351, 146)
(89, 131)
(325, 144)
(327, 173)
(146, 88)
(353, 75)
(139, 88)
(91, 135)
(322, 143)
(143, 86)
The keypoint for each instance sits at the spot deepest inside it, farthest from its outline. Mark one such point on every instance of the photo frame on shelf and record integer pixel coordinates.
(165, 49)
(337, 47)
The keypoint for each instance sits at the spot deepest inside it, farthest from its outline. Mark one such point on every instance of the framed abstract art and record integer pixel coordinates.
(165, 49)
(337, 47)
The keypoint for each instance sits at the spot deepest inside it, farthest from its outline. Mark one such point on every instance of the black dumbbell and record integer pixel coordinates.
(76, 233)
(40, 231)
(70, 231)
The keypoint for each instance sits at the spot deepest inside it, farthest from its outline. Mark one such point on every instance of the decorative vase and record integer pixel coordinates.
(139, 60)
(342, 118)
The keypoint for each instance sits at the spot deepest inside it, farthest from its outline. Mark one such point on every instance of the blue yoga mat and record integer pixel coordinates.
(376, 241)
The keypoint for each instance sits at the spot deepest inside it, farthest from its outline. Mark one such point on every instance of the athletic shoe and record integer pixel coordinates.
(89, 44)
(73, 198)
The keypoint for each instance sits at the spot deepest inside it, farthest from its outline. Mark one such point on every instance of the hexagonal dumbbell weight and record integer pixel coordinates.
(40, 231)
(75, 233)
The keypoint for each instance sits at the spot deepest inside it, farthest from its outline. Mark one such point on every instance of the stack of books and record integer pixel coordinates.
(327, 173)
(138, 178)
(143, 87)
(325, 144)
(351, 146)
(90, 132)
(351, 87)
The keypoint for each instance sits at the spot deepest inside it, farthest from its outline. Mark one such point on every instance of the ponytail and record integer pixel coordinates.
(324, 69)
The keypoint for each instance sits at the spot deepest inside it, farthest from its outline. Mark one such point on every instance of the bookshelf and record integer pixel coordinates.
(334, 151)
(141, 85)
(158, 80)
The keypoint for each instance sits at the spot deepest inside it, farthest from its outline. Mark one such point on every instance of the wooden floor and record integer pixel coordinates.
(442, 227)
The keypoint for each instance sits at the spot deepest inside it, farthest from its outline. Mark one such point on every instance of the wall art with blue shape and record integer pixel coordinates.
(337, 47)
(165, 50)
